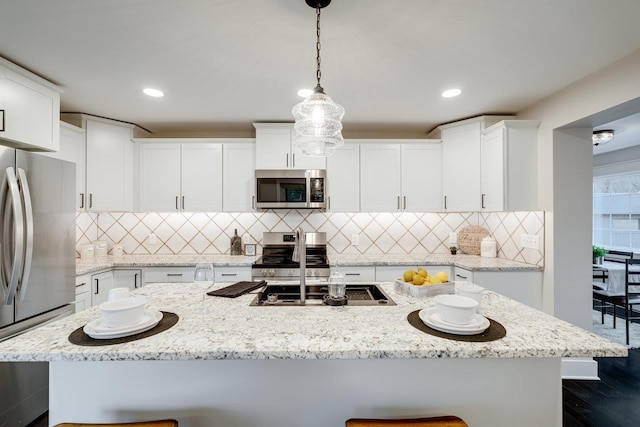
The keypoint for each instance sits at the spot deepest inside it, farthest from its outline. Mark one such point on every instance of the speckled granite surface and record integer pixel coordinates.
(107, 262)
(470, 262)
(222, 328)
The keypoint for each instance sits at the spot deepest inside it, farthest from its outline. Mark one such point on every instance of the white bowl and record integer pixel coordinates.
(123, 312)
(456, 309)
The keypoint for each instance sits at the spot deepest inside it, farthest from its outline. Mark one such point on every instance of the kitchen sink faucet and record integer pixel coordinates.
(300, 256)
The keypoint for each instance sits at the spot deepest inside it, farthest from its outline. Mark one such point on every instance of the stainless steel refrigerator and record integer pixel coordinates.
(37, 268)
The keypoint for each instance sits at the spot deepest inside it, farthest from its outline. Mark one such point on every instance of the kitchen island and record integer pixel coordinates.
(228, 364)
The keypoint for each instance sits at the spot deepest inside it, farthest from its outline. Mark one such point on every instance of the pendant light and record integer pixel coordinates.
(318, 128)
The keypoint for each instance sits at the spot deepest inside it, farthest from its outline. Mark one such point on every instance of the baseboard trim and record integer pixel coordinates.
(575, 368)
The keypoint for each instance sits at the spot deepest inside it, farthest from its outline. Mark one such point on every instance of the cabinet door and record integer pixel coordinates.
(83, 293)
(201, 177)
(461, 167)
(343, 179)
(380, 189)
(73, 149)
(422, 177)
(492, 170)
(109, 166)
(299, 160)
(238, 183)
(159, 177)
(273, 148)
(101, 284)
(131, 279)
(30, 112)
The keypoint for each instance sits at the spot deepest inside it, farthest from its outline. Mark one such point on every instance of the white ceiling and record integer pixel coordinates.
(224, 64)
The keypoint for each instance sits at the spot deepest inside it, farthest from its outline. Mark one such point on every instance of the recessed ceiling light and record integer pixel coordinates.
(450, 93)
(305, 92)
(153, 92)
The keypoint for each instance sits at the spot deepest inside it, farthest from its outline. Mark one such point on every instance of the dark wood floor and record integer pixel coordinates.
(614, 401)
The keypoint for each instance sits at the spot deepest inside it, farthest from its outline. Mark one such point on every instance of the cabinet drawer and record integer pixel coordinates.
(463, 274)
(389, 273)
(358, 273)
(168, 274)
(232, 274)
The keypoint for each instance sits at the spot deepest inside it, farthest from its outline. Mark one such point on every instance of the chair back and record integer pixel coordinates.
(617, 256)
(632, 277)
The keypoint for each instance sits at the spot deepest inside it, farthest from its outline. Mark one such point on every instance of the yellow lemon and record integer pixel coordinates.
(435, 280)
(442, 276)
(418, 279)
(422, 272)
(407, 276)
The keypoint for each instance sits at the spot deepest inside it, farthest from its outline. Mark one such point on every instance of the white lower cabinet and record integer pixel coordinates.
(83, 292)
(127, 278)
(232, 274)
(101, 284)
(522, 286)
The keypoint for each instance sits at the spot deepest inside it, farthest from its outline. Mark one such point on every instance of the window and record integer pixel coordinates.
(616, 211)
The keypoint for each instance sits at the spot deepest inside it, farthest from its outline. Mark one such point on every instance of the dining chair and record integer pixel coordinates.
(158, 423)
(600, 278)
(445, 421)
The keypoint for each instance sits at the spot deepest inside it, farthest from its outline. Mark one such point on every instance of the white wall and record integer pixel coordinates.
(563, 170)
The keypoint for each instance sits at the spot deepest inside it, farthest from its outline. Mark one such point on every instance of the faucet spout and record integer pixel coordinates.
(300, 256)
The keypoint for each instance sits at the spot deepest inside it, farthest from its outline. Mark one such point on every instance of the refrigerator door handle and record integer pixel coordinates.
(11, 267)
(28, 234)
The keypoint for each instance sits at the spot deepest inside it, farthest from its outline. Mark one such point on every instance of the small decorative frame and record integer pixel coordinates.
(250, 249)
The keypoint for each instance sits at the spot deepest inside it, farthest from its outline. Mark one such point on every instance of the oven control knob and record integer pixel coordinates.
(272, 273)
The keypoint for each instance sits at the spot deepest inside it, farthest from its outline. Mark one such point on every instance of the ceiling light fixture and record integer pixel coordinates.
(153, 92)
(602, 136)
(318, 128)
(450, 93)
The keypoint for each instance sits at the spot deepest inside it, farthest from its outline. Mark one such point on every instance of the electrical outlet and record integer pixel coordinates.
(355, 239)
(153, 239)
(530, 241)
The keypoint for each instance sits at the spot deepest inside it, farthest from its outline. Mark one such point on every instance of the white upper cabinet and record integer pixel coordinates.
(174, 175)
(238, 176)
(343, 179)
(461, 163)
(422, 177)
(397, 177)
(274, 149)
(109, 166)
(509, 153)
(29, 110)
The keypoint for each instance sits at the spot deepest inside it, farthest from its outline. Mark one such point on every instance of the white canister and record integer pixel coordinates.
(488, 247)
(86, 252)
(118, 250)
(101, 248)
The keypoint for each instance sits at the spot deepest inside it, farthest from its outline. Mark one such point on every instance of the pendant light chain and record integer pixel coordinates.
(318, 73)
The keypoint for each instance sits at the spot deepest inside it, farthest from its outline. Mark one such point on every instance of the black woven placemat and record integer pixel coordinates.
(237, 289)
(78, 336)
(495, 331)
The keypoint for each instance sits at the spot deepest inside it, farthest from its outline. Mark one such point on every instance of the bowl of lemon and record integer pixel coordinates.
(418, 283)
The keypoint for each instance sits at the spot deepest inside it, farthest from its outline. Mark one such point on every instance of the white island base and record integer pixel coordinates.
(307, 393)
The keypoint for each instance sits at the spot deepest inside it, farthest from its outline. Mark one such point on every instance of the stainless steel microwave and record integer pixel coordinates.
(291, 189)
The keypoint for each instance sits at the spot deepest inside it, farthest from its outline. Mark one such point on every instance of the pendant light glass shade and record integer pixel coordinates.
(318, 127)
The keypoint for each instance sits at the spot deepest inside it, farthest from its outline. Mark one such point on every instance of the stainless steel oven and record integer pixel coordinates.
(290, 189)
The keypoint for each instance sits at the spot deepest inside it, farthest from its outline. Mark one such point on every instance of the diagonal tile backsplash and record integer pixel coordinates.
(379, 233)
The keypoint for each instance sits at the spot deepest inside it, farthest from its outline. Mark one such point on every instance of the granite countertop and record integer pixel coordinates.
(107, 262)
(223, 328)
(470, 262)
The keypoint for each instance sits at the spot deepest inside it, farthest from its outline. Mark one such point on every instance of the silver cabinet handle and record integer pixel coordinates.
(287, 159)
(398, 202)
(81, 200)
(90, 200)
(404, 202)
(328, 202)
(461, 276)
(293, 162)
(11, 199)
(97, 287)
(352, 274)
(135, 280)
(253, 202)
(23, 184)
(482, 204)
(445, 202)
(177, 208)
(229, 274)
(174, 274)
(182, 202)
